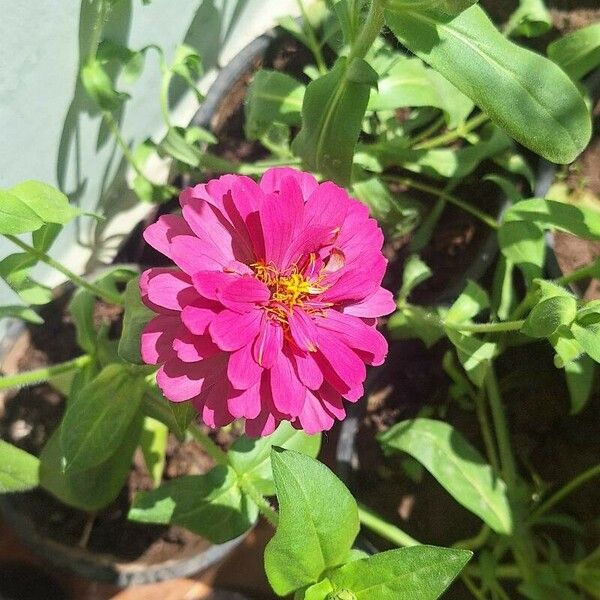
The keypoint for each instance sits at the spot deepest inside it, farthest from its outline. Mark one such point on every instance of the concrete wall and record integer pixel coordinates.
(50, 131)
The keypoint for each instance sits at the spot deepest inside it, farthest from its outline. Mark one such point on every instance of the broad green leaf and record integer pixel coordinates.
(50, 204)
(474, 354)
(44, 237)
(95, 424)
(131, 61)
(99, 86)
(524, 93)
(174, 144)
(18, 469)
(504, 293)
(210, 505)
(16, 216)
(411, 83)
(397, 214)
(469, 304)
(522, 243)
(588, 335)
(188, 65)
(416, 322)
(587, 573)
(578, 52)
(318, 591)
(451, 7)
(581, 375)
(153, 442)
(548, 315)
(95, 488)
(457, 466)
(531, 19)
(332, 113)
(251, 458)
(415, 273)
(15, 269)
(21, 312)
(273, 97)
(567, 348)
(135, 318)
(175, 415)
(81, 309)
(313, 534)
(419, 572)
(581, 221)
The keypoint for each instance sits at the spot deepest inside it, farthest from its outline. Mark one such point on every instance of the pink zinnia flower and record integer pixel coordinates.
(271, 312)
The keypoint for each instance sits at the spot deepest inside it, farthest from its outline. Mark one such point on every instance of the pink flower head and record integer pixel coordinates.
(270, 313)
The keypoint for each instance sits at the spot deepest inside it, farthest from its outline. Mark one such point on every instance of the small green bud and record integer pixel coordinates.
(341, 595)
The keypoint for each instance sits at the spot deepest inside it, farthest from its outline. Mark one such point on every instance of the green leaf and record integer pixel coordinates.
(16, 216)
(95, 488)
(175, 415)
(18, 469)
(98, 420)
(469, 304)
(548, 315)
(522, 243)
(416, 322)
(44, 237)
(332, 113)
(450, 7)
(415, 273)
(175, 145)
(524, 93)
(581, 375)
(456, 465)
(15, 269)
(397, 214)
(188, 65)
(135, 318)
(99, 86)
(588, 335)
(587, 574)
(210, 505)
(81, 309)
(131, 61)
(578, 52)
(422, 572)
(313, 535)
(153, 443)
(531, 19)
(251, 458)
(474, 354)
(410, 83)
(21, 312)
(567, 348)
(50, 204)
(273, 97)
(318, 591)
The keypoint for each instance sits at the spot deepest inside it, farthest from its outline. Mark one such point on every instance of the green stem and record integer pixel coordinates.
(567, 489)
(522, 545)
(103, 10)
(475, 542)
(475, 591)
(384, 529)
(313, 43)
(486, 431)
(428, 131)
(455, 134)
(263, 504)
(114, 128)
(167, 75)
(208, 445)
(486, 327)
(76, 279)
(369, 32)
(500, 571)
(44, 374)
(428, 189)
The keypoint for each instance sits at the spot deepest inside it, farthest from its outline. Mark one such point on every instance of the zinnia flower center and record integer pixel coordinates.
(288, 289)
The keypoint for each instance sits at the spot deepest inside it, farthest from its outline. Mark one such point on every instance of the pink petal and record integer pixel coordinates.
(159, 234)
(332, 402)
(245, 403)
(268, 344)
(192, 348)
(198, 315)
(215, 411)
(181, 381)
(167, 288)
(314, 418)
(356, 282)
(303, 330)
(194, 255)
(157, 339)
(243, 371)
(341, 367)
(272, 179)
(378, 304)
(353, 332)
(264, 424)
(287, 391)
(231, 330)
(211, 283)
(244, 293)
(327, 207)
(309, 372)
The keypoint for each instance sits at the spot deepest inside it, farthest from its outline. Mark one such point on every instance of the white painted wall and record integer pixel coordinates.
(50, 131)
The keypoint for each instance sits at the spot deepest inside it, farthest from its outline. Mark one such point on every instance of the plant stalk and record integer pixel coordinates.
(455, 134)
(369, 32)
(76, 279)
(208, 445)
(487, 327)
(384, 529)
(44, 374)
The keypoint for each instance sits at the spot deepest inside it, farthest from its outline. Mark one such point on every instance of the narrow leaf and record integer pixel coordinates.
(18, 469)
(578, 52)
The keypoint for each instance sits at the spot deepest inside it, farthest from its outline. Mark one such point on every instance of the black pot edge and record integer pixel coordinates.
(100, 567)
